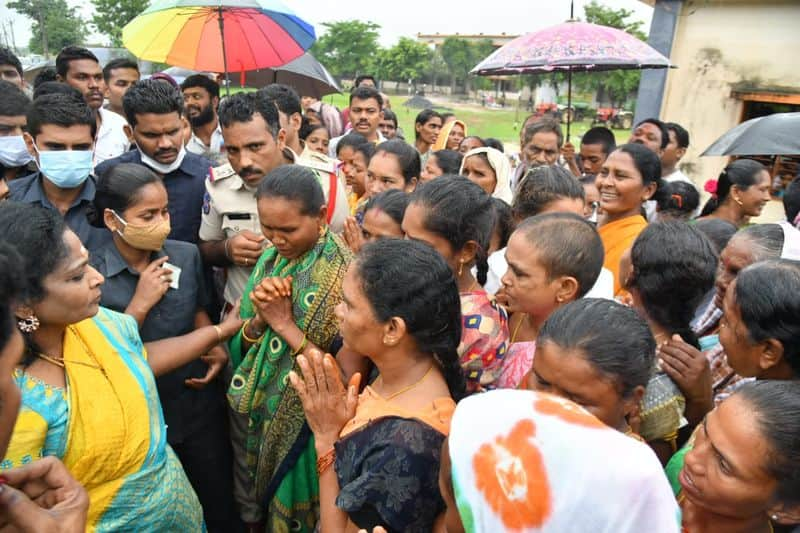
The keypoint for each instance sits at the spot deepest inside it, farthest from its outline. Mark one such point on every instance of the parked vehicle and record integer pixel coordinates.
(548, 110)
(616, 118)
(561, 112)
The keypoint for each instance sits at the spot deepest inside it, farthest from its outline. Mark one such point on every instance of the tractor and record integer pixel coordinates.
(616, 118)
(561, 112)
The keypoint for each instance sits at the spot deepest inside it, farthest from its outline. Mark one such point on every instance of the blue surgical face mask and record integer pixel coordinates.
(66, 169)
(13, 152)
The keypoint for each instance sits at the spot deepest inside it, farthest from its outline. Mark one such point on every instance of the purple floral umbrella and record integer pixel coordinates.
(572, 47)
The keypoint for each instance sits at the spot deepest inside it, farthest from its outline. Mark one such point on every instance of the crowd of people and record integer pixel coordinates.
(256, 313)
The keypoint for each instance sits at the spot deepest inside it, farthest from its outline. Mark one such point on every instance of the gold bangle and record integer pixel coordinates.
(325, 462)
(244, 333)
(302, 345)
(219, 332)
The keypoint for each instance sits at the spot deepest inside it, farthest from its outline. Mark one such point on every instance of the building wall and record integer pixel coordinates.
(719, 44)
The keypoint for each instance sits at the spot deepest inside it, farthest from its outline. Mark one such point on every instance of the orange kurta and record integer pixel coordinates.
(617, 237)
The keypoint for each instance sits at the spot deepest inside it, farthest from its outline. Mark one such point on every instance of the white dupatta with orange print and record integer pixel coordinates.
(528, 462)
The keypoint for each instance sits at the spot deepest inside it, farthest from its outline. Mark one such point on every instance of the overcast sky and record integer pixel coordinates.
(408, 17)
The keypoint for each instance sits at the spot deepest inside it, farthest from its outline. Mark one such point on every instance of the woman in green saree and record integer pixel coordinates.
(288, 308)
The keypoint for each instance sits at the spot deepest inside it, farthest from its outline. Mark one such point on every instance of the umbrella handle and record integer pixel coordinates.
(569, 100)
(224, 54)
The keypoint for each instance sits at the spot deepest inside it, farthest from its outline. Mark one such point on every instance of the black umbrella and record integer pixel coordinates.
(776, 134)
(305, 74)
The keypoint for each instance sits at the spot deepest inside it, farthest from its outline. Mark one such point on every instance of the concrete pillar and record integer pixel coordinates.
(662, 33)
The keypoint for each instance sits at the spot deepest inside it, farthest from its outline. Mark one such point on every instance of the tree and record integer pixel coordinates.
(348, 47)
(615, 86)
(461, 56)
(458, 55)
(435, 67)
(55, 24)
(614, 18)
(480, 51)
(406, 60)
(112, 15)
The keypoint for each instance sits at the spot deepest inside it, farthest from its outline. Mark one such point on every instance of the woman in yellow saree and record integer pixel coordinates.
(42, 495)
(88, 387)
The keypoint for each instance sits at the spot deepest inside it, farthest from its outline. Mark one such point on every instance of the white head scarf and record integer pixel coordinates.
(502, 170)
(531, 462)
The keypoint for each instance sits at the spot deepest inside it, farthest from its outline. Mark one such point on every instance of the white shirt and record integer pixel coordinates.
(677, 175)
(196, 146)
(335, 142)
(602, 288)
(111, 140)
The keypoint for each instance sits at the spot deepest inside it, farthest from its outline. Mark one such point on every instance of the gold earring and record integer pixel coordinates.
(322, 230)
(460, 268)
(737, 201)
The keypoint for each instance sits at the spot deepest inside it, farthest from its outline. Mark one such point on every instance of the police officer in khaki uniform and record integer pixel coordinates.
(230, 237)
(230, 221)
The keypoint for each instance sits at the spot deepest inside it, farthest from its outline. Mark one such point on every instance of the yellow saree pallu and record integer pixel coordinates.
(115, 443)
(617, 237)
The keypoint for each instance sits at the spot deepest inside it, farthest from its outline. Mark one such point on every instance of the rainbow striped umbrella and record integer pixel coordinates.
(223, 36)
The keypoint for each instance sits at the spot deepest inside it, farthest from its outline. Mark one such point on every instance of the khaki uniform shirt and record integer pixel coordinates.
(229, 208)
(324, 167)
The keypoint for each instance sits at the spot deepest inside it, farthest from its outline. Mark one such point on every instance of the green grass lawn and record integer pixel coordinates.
(502, 124)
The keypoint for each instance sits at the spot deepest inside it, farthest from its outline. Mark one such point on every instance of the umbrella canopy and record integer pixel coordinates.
(189, 33)
(305, 74)
(775, 134)
(574, 46)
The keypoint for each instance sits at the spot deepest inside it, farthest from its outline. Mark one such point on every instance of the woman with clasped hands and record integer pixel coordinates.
(378, 452)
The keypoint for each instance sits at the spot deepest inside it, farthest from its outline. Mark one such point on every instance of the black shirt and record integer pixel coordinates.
(184, 408)
(29, 190)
